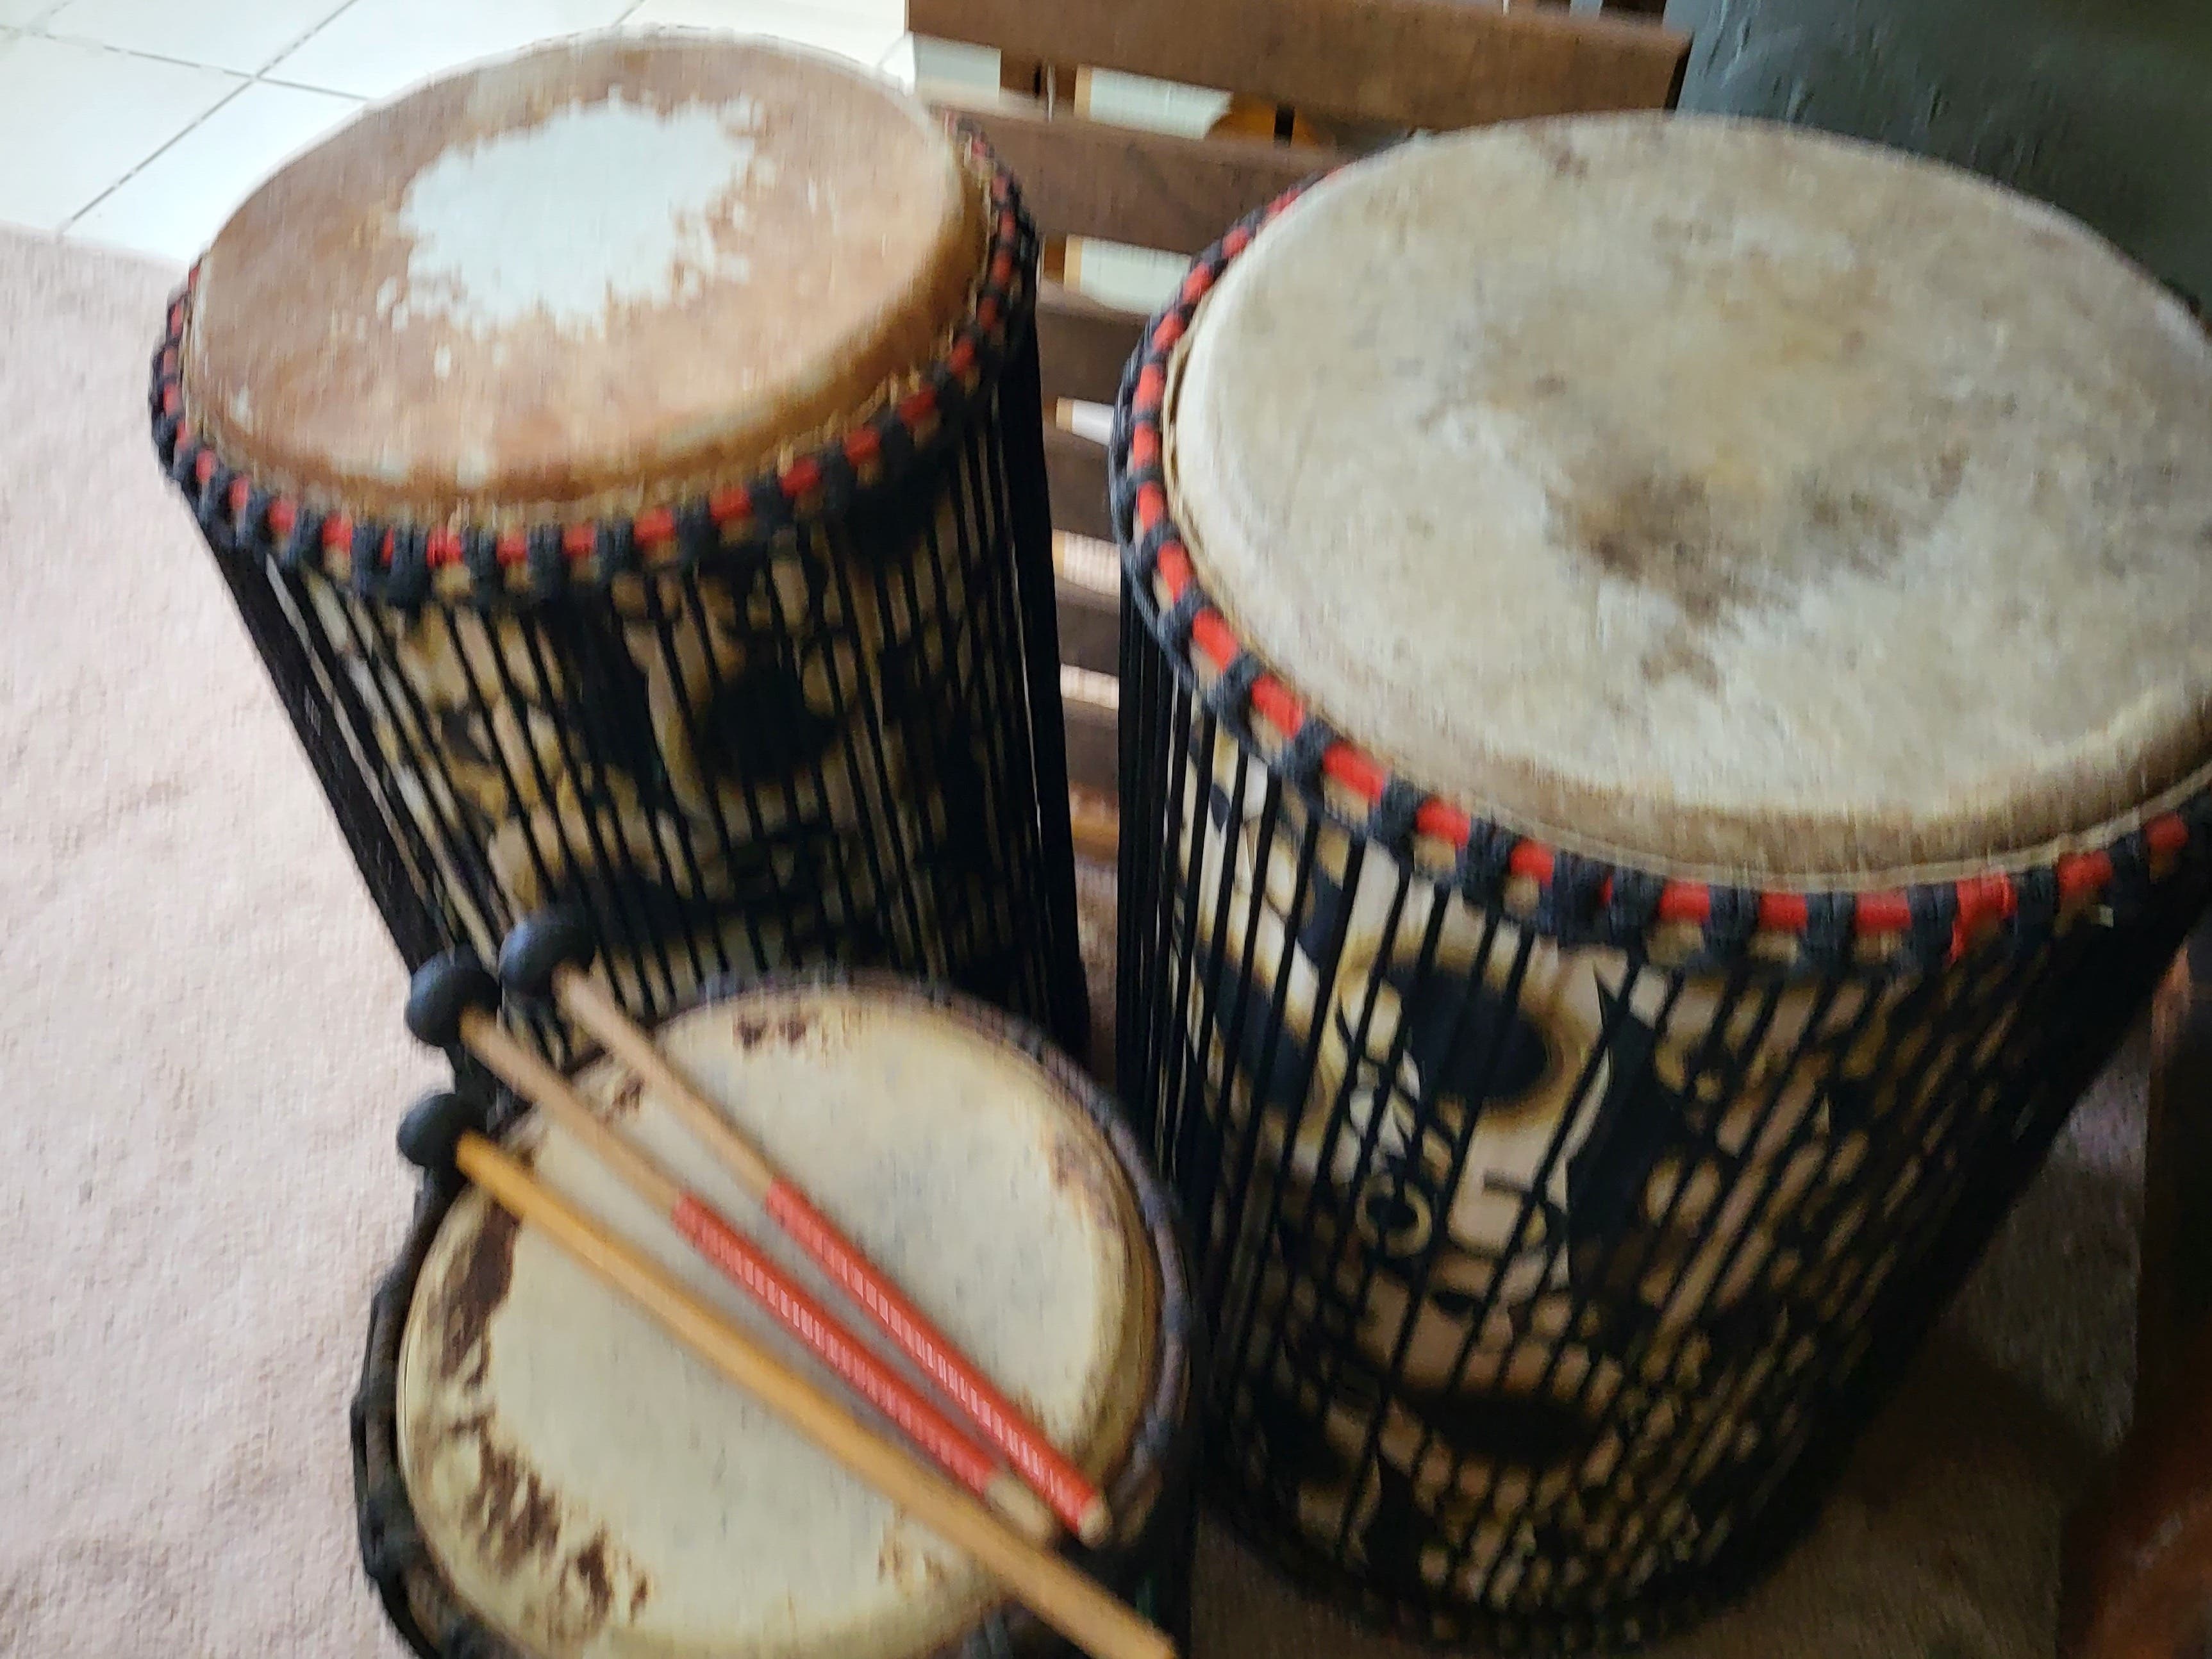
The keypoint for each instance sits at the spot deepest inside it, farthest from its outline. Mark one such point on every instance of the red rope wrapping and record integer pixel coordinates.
(1002, 301)
(1979, 903)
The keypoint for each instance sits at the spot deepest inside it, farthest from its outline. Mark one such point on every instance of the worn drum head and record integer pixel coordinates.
(584, 1484)
(1724, 500)
(618, 270)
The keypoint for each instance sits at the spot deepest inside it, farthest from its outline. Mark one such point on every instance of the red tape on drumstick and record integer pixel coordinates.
(1050, 1475)
(745, 1265)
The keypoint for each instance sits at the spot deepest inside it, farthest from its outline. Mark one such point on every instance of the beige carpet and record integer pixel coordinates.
(201, 1064)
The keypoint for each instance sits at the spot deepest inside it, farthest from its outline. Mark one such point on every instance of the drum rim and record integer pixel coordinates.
(1917, 919)
(533, 554)
(1154, 1463)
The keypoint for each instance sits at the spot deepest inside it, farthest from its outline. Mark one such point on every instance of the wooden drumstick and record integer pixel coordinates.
(548, 954)
(448, 1001)
(1073, 1604)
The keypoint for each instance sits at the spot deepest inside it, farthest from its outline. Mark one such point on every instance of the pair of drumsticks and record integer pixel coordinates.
(451, 1003)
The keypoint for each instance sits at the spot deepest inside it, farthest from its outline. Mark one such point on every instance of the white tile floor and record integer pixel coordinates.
(140, 123)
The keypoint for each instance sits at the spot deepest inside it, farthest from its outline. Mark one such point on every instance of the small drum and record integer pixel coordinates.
(626, 458)
(1667, 702)
(542, 1471)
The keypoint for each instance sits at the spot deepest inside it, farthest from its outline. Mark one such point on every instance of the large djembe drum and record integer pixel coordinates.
(1668, 694)
(627, 460)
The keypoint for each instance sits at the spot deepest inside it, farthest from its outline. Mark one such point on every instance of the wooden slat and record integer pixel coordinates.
(1082, 345)
(1094, 738)
(1093, 564)
(1088, 576)
(1089, 628)
(1042, 84)
(2135, 1564)
(1097, 822)
(2174, 1283)
(1087, 178)
(1026, 78)
(1431, 63)
(1075, 471)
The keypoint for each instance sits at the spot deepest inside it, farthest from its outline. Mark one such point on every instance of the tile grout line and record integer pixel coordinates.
(38, 28)
(175, 139)
(839, 9)
(125, 52)
(246, 79)
(265, 79)
(301, 39)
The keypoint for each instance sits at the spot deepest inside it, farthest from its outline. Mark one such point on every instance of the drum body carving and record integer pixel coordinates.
(1600, 952)
(678, 551)
(542, 1470)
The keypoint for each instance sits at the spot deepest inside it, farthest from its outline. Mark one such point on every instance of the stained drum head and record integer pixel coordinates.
(1724, 500)
(606, 272)
(583, 1483)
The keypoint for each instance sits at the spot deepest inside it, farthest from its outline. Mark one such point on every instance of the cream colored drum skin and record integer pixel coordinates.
(1737, 522)
(404, 319)
(584, 1484)
(1757, 503)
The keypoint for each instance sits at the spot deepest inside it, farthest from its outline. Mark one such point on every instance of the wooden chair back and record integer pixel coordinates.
(1361, 66)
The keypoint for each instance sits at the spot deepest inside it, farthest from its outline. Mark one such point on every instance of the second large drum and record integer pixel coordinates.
(1667, 723)
(627, 460)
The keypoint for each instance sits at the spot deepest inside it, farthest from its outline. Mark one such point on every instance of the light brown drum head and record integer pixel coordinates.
(1713, 496)
(585, 1485)
(609, 271)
